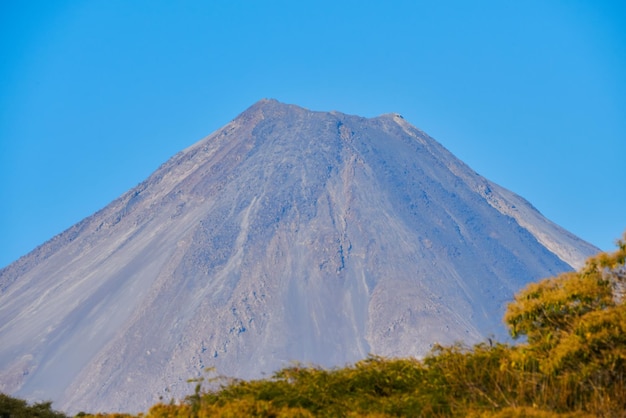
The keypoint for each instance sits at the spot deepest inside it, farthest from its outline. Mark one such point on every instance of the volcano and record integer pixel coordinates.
(287, 235)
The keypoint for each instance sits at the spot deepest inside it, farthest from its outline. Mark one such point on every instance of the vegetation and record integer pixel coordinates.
(571, 363)
(17, 408)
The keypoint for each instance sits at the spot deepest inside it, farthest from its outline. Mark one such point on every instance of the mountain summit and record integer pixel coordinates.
(287, 235)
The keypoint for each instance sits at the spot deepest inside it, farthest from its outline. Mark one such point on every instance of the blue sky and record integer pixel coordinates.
(95, 95)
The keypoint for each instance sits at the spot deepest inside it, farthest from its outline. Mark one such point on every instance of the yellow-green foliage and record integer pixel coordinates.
(576, 330)
(528, 412)
(571, 364)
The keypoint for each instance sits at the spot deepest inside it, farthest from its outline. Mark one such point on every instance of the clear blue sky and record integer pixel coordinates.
(95, 95)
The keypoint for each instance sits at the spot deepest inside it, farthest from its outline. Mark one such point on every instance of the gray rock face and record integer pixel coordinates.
(287, 235)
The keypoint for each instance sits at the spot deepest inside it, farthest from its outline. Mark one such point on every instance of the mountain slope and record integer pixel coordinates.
(286, 235)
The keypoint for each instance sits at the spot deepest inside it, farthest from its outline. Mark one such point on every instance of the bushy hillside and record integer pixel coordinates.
(571, 363)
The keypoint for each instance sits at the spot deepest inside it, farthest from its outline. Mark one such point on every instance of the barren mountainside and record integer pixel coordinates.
(287, 235)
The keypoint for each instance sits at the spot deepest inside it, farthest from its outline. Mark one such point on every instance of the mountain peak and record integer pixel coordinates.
(270, 103)
(287, 235)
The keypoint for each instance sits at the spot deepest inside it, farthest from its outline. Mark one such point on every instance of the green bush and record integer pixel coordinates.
(17, 408)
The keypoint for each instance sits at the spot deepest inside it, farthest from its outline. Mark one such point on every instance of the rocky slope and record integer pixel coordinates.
(287, 235)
